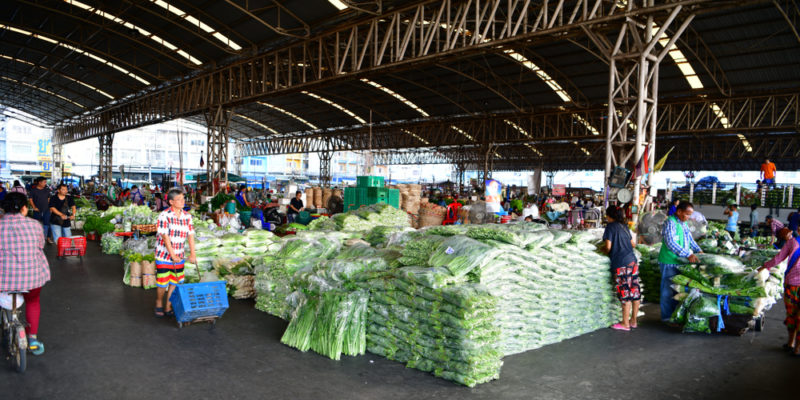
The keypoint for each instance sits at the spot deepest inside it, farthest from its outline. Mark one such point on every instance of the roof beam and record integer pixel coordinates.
(372, 45)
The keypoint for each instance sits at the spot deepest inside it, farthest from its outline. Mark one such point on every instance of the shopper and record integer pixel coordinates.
(136, 195)
(774, 227)
(295, 206)
(160, 204)
(241, 196)
(62, 212)
(618, 244)
(768, 173)
(673, 207)
(791, 286)
(40, 202)
(23, 266)
(174, 229)
(794, 222)
(732, 227)
(753, 220)
(18, 188)
(677, 242)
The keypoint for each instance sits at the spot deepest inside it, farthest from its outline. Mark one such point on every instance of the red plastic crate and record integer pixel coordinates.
(72, 246)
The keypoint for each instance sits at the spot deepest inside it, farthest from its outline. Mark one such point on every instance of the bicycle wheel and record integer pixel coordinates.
(19, 355)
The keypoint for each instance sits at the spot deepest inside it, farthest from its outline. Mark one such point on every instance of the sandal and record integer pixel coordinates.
(35, 347)
(620, 327)
(634, 326)
(159, 312)
(170, 313)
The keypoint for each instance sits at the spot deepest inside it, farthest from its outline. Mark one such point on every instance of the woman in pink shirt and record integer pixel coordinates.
(791, 286)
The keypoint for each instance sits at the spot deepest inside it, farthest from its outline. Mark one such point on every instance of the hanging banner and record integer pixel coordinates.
(559, 190)
(493, 195)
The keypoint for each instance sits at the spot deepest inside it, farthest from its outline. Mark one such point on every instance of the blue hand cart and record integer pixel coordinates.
(199, 302)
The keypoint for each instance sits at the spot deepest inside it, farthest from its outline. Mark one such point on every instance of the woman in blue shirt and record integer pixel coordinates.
(618, 243)
(733, 219)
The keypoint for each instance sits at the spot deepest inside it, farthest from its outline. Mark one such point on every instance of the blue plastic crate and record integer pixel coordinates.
(197, 300)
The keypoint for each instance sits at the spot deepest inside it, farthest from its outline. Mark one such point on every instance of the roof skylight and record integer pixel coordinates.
(196, 22)
(310, 125)
(244, 117)
(64, 76)
(396, 95)
(335, 105)
(43, 90)
(142, 31)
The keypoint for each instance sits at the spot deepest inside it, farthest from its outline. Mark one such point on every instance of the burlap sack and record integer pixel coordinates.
(309, 197)
(326, 195)
(136, 269)
(318, 197)
(430, 220)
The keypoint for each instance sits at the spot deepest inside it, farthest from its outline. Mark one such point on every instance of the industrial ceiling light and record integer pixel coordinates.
(43, 90)
(135, 30)
(310, 125)
(244, 117)
(335, 105)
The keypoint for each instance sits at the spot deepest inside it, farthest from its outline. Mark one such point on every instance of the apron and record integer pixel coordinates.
(667, 256)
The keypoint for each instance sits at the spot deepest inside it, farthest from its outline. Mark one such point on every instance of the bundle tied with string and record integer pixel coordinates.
(317, 198)
(136, 274)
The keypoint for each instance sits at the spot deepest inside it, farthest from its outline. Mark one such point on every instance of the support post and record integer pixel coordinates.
(669, 192)
(738, 193)
(58, 165)
(218, 121)
(691, 192)
(714, 193)
(634, 59)
(105, 167)
(325, 168)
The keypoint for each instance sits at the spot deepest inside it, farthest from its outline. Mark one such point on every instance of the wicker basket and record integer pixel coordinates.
(144, 228)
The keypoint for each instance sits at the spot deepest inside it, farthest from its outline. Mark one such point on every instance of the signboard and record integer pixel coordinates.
(559, 190)
(45, 159)
(67, 168)
(493, 195)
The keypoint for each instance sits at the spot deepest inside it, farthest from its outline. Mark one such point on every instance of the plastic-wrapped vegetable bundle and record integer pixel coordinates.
(649, 272)
(330, 324)
(111, 244)
(418, 250)
(461, 255)
(448, 331)
(272, 286)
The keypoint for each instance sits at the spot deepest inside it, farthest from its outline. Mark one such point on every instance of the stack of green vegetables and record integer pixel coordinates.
(721, 284)
(362, 219)
(110, 243)
(649, 272)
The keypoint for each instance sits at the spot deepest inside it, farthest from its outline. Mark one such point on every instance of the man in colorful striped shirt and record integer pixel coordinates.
(677, 243)
(174, 229)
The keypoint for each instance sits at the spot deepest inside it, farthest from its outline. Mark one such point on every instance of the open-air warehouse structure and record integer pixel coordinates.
(485, 85)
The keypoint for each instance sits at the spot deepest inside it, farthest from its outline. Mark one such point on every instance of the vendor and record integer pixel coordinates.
(618, 244)
(774, 227)
(295, 206)
(732, 212)
(791, 288)
(136, 195)
(241, 196)
(677, 242)
(673, 207)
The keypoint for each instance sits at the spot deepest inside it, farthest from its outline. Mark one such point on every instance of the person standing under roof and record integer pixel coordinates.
(136, 195)
(174, 229)
(732, 226)
(618, 244)
(768, 173)
(40, 202)
(791, 286)
(18, 188)
(753, 220)
(774, 227)
(673, 206)
(677, 242)
(62, 212)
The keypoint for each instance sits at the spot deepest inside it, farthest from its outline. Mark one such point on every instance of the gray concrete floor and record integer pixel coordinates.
(103, 342)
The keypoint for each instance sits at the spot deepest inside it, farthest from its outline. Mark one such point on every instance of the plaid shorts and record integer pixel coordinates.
(168, 273)
(627, 282)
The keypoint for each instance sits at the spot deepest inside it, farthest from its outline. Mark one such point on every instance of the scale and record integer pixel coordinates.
(624, 195)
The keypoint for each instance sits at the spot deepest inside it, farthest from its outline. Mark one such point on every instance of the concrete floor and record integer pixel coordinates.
(103, 342)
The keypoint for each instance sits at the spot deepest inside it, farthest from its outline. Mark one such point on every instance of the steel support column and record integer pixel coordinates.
(325, 168)
(632, 116)
(105, 166)
(218, 121)
(58, 164)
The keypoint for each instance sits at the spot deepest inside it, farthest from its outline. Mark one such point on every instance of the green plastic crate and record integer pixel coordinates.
(369, 181)
(394, 198)
(350, 199)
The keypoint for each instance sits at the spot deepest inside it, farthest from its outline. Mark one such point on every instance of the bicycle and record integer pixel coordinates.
(14, 336)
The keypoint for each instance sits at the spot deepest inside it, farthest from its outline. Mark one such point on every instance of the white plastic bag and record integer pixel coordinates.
(6, 300)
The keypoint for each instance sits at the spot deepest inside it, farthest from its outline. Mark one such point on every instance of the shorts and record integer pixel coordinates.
(167, 274)
(791, 299)
(769, 182)
(627, 282)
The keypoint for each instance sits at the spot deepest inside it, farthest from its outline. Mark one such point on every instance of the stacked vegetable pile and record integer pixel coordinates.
(362, 219)
(721, 285)
(110, 243)
(649, 272)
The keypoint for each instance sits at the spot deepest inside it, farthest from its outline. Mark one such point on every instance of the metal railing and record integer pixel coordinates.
(743, 194)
